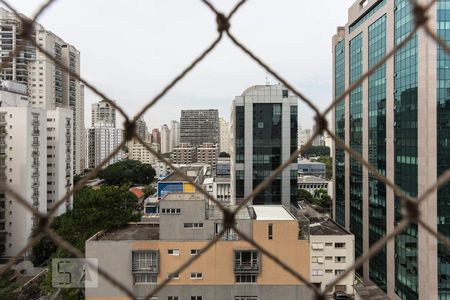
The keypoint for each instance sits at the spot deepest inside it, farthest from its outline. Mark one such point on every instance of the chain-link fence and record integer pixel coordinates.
(410, 205)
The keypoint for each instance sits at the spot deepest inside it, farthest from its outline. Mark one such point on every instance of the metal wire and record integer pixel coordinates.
(410, 205)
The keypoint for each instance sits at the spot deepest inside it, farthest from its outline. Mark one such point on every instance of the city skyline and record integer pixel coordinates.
(309, 72)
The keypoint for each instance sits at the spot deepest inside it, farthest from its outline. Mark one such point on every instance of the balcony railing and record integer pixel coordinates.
(151, 268)
(246, 267)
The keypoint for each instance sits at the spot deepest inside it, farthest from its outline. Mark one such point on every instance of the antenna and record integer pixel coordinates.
(267, 79)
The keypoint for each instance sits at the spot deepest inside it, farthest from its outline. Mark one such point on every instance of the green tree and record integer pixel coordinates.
(304, 195)
(148, 190)
(328, 161)
(126, 171)
(315, 151)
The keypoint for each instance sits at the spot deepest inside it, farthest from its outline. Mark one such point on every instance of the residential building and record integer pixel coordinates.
(208, 153)
(398, 121)
(162, 169)
(304, 136)
(13, 94)
(174, 134)
(103, 112)
(223, 167)
(156, 136)
(165, 139)
(141, 129)
(318, 140)
(313, 183)
(184, 154)
(139, 152)
(332, 252)
(230, 269)
(314, 168)
(102, 139)
(199, 126)
(219, 188)
(263, 136)
(224, 128)
(59, 158)
(48, 86)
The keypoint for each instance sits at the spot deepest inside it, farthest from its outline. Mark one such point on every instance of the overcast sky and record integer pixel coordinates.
(130, 49)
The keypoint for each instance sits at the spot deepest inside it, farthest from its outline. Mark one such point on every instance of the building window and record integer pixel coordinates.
(338, 272)
(196, 298)
(328, 244)
(340, 288)
(285, 93)
(174, 252)
(144, 266)
(193, 225)
(172, 298)
(245, 297)
(144, 278)
(339, 259)
(317, 246)
(270, 231)
(173, 276)
(196, 275)
(245, 278)
(317, 259)
(195, 251)
(171, 211)
(329, 271)
(339, 245)
(317, 272)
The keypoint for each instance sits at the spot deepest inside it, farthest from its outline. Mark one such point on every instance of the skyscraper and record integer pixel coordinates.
(263, 136)
(224, 145)
(156, 136)
(397, 120)
(165, 139)
(174, 134)
(48, 86)
(199, 126)
(141, 129)
(102, 139)
(103, 112)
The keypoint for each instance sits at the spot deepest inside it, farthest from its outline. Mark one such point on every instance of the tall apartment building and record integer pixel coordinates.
(263, 136)
(208, 153)
(224, 129)
(48, 86)
(165, 139)
(398, 121)
(156, 136)
(199, 126)
(103, 112)
(304, 135)
(147, 253)
(174, 134)
(141, 128)
(102, 139)
(184, 154)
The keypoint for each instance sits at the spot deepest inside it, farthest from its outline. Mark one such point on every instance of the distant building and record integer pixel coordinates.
(184, 154)
(264, 135)
(304, 136)
(141, 153)
(141, 129)
(224, 145)
(103, 112)
(312, 183)
(199, 126)
(223, 167)
(146, 253)
(165, 139)
(156, 136)
(332, 252)
(174, 134)
(318, 141)
(207, 153)
(306, 167)
(219, 188)
(102, 139)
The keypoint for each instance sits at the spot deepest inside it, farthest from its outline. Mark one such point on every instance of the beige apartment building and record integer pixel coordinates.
(145, 254)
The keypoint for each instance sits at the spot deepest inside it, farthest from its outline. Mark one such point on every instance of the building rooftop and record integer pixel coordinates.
(370, 291)
(326, 227)
(245, 213)
(133, 231)
(192, 172)
(310, 179)
(137, 192)
(272, 213)
(184, 197)
(308, 162)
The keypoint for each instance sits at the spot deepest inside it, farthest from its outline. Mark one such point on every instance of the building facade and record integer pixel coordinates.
(103, 112)
(398, 121)
(263, 136)
(141, 129)
(230, 269)
(174, 134)
(141, 153)
(224, 126)
(156, 136)
(165, 139)
(102, 139)
(184, 154)
(199, 126)
(208, 153)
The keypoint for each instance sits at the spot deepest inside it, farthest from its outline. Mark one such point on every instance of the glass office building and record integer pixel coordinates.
(398, 119)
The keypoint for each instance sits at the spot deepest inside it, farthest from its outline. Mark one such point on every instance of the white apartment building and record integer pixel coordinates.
(219, 188)
(224, 132)
(59, 157)
(332, 252)
(208, 153)
(141, 153)
(48, 86)
(103, 112)
(174, 134)
(165, 139)
(23, 149)
(102, 139)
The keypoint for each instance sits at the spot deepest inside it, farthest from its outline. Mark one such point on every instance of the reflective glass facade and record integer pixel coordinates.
(356, 68)
(405, 147)
(240, 139)
(443, 143)
(294, 147)
(340, 132)
(267, 150)
(377, 148)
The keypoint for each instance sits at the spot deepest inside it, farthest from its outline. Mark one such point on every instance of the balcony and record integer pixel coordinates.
(145, 262)
(35, 164)
(35, 122)
(35, 153)
(36, 132)
(246, 261)
(35, 144)
(35, 184)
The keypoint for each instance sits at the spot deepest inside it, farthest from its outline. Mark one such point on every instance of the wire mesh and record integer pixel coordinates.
(411, 213)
